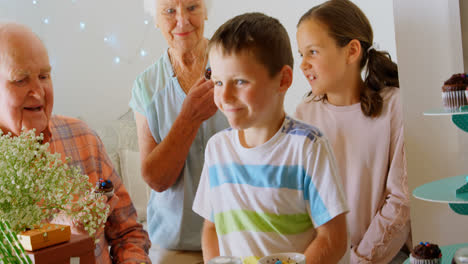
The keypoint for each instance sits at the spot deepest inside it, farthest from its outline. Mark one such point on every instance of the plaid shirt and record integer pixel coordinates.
(128, 242)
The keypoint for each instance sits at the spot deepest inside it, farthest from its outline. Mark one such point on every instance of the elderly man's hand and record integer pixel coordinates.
(77, 227)
(199, 104)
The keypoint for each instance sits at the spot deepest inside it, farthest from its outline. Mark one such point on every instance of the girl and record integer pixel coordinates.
(363, 121)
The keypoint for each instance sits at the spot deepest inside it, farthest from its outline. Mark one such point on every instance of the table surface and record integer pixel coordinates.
(447, 253)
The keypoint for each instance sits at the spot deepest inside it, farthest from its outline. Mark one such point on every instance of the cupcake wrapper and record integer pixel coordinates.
(424, 261)
(453, 100)
(108, 194)
(466, 94)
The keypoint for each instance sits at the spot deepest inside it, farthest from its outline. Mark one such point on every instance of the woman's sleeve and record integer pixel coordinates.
(140, 97)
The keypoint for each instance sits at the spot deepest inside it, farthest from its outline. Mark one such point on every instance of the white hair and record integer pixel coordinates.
(150, 6)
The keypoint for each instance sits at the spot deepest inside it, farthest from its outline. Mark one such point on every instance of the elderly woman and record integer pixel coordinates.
(26, 101)
(175, 115)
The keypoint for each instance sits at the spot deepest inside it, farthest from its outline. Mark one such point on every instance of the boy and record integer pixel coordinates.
(269, 183)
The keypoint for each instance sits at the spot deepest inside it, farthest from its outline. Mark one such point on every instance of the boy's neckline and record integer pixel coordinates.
(265, 144)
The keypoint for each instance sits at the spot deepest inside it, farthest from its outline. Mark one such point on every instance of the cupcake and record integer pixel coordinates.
(426, 253)
(454, 93)
(104, 187)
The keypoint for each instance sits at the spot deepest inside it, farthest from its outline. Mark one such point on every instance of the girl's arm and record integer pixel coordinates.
(209, 241)
(390, 228)
(331, 242)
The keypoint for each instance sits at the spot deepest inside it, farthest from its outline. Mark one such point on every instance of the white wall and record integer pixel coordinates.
(87, 81)
(464, 26)
(429, 48)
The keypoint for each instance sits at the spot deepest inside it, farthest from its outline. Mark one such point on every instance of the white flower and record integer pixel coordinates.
(36, 185)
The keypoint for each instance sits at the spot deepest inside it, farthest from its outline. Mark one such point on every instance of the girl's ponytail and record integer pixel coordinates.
(381, 72)
(346, 21)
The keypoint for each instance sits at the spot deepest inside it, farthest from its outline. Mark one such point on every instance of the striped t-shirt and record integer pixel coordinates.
(270, 198)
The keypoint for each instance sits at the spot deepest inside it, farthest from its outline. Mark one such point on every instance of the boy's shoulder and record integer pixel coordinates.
(298, 128)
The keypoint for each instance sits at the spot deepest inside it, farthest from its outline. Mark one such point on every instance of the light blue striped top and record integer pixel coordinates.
(270, 198)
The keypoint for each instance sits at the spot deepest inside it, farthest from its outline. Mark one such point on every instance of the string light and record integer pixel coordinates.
(110, 39)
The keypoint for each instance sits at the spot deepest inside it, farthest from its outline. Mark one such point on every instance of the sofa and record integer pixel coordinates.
(120, 140)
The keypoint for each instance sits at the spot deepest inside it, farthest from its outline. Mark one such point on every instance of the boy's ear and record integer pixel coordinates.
(354, 51)
(286, 78)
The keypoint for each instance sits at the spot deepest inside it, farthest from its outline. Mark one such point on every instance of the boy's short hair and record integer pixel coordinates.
(259, 34)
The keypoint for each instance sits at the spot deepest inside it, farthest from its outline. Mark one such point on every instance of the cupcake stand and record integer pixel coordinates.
(453, 190)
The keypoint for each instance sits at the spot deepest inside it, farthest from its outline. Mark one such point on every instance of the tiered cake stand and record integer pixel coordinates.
(444, 190)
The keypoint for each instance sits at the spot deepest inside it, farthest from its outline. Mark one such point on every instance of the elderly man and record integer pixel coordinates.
(26, 101)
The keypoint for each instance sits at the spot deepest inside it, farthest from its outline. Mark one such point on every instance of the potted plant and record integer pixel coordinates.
(36, 186)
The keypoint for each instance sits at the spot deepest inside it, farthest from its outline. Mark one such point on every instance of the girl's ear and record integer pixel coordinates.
(286, 78)
(353, 51)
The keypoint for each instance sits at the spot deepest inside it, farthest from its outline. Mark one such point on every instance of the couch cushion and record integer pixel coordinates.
(137, 188)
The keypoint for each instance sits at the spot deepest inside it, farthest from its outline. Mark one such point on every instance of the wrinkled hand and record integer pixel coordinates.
(199, 104)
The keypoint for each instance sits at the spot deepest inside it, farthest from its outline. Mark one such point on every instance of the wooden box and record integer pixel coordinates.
(48, 235)
(79, 247)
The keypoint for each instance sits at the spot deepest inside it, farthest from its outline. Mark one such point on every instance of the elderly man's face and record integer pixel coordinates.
(26, 95)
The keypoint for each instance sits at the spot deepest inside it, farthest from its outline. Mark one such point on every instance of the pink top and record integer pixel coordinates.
(371, 161)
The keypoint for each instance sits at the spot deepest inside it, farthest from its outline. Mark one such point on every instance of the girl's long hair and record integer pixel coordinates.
(345, 22)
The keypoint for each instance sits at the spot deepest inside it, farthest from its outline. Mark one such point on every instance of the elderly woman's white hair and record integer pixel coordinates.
(150, 6)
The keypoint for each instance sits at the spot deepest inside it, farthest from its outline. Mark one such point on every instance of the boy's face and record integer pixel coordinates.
(244, 90)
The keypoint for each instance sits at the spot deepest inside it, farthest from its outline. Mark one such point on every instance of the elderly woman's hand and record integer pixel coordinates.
(199, 104)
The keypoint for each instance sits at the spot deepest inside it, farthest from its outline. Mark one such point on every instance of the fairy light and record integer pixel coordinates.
(110, 39)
